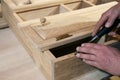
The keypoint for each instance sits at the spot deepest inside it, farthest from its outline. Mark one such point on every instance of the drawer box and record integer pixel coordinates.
(50, 33)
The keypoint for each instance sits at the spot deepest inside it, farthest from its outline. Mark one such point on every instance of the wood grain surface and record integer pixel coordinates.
(15, 63)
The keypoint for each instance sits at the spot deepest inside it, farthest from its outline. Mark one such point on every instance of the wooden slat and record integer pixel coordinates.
(38, 4)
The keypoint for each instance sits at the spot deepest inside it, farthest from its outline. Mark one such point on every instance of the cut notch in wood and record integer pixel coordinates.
(63, 36)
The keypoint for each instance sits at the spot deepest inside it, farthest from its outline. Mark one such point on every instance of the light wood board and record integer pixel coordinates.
(15, 63)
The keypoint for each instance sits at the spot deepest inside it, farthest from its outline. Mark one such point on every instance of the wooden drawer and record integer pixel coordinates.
(51, 30)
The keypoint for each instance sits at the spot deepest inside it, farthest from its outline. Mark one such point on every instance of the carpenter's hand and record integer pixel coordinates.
(108, 18)
(100, 56)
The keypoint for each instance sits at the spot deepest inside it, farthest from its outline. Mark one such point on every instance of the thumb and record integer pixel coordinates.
(112, 34)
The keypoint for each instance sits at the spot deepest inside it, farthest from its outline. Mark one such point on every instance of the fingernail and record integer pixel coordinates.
(107, 25)
(83, 60)
(111, 33)
(77, 49)
(83, 45)
(78, 55)
(93, 34)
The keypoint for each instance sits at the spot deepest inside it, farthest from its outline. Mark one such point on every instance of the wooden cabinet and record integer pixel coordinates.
(50, 30)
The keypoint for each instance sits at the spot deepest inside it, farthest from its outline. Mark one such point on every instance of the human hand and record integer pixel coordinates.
(108, 18)
(100, 56)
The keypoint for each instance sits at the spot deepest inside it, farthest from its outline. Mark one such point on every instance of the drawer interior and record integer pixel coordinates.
(68, 48)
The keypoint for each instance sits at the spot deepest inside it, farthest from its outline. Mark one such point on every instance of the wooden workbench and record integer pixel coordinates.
(16, 64)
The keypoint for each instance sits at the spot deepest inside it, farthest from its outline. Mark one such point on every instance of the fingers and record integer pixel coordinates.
(110, 21)
(107, 18)
(90, 52)
(90, 48)
(93, 45)
(88, 59)
(102, 20)
(112, 34)
(93, 63)
(86, 56)
(87, 50)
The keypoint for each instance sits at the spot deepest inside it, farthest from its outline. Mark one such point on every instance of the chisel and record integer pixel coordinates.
(104, 31)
